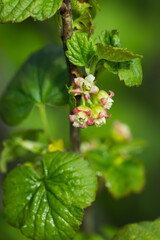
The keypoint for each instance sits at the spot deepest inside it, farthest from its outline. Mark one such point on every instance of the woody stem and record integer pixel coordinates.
(73, 71)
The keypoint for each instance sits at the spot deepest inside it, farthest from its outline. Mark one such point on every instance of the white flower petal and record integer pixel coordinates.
(90, 78)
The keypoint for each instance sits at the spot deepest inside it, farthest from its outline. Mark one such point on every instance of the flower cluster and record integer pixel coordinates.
(91, 112)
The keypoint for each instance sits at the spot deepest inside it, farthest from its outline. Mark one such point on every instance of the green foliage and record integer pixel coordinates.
(46, 199)
(9, 153)
(94, 7)
(130, 71)
(19, 10)
(41, 80)
(114, 54)
(118, 60)
(83, 13)
(49, 205)
(125, 176)
(80, 49)
(140, 231)
(21, 143)
(122, 175)
(105, 52)
(110, 38)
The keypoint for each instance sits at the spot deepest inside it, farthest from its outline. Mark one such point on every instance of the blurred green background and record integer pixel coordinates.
(139, 25)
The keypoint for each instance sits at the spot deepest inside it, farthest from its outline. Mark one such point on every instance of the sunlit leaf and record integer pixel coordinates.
(19, 10)
(114, 54)
(80, 49)
(49, 206)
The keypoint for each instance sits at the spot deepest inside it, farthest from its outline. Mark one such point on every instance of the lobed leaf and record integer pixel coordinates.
(49, 206)
(114, 54)
(140, 231)
(80, 49)
(122, 175)
(41, 80)
(130, 71)
(19, 10)
(109, 38)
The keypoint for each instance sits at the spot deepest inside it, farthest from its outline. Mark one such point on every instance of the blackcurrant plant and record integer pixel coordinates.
(46, 196)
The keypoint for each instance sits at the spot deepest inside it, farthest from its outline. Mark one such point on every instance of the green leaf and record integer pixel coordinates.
(122, 175)
(130, 72)
(117, 60)
(114, 54)
(100, 160)
(19, 10)
(82, 236)
(79, 6)
(83, 22)
(127, 148)
(41, 80)
(9, 153)
(20, 144)
(140, 231)
(80, 49)
(49, 206)
(110, 38)
(94, 7)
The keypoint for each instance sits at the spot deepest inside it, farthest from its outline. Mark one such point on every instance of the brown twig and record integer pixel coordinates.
(73, 71)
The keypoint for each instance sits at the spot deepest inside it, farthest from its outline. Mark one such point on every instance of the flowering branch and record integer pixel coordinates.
(73, 71)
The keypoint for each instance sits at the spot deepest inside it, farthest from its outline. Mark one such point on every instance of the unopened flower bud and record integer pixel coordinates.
(121, 132)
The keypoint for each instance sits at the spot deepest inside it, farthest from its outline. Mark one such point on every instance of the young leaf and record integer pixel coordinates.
(110, 38)
(117, 60)
(41, 80)
(83, 22)
(122, 175)
(80, 49)
(19, 10)
(130, 71)
(94, 7)
(140, 231)
(49, 206)
(114, 54)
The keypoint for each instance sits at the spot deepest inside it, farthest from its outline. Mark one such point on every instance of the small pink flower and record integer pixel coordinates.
(81, 117)
(104, 98)
(85, 86)
(99, 115)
